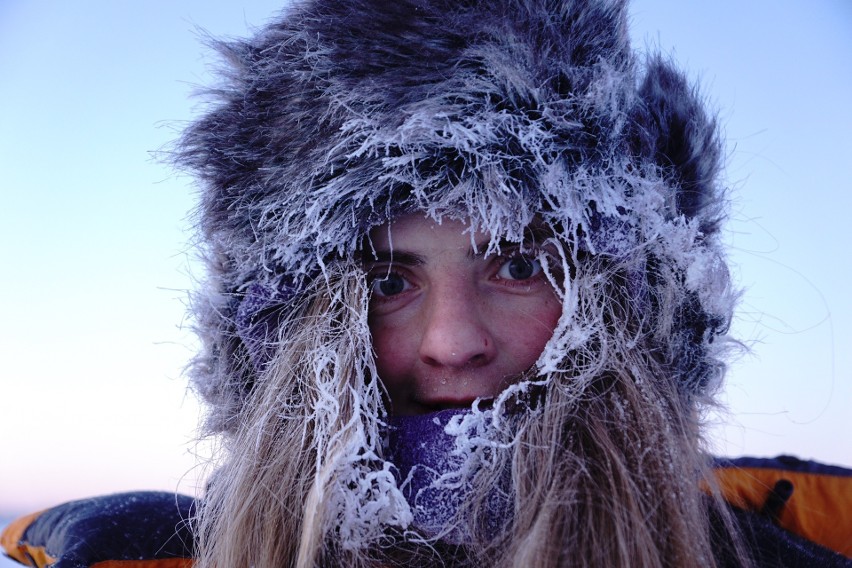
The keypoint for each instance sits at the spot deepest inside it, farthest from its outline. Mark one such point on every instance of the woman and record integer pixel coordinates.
(435, 148)
(466, 301)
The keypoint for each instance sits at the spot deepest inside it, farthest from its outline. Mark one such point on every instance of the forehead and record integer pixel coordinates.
(417, 231)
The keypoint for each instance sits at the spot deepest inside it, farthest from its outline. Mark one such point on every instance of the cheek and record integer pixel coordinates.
(532, 331)
(392, 352)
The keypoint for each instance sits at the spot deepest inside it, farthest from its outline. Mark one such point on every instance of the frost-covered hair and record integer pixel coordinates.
(342, 115)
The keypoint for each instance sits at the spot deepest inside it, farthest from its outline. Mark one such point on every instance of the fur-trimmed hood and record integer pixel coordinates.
(341, 115)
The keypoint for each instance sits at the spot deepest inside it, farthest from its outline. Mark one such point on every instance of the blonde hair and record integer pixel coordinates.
(605, 461)
(267, 502)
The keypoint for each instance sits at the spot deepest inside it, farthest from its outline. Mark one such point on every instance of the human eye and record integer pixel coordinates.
(520, 267)
(388, 284)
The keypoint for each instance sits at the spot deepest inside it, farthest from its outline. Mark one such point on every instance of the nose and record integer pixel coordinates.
(456, 333)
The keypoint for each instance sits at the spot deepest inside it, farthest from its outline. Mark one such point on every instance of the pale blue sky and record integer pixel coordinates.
(95, 249)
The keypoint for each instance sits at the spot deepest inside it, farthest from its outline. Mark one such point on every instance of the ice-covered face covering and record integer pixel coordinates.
(432, 454)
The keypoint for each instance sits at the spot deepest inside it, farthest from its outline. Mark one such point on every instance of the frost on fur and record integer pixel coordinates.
(341, 116)
(508, 111)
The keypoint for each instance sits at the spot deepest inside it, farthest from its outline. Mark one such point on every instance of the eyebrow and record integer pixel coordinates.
(479, 248)
(503, 244)
(395, 257)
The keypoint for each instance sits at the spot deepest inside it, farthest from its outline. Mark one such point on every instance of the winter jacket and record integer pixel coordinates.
(792, 513)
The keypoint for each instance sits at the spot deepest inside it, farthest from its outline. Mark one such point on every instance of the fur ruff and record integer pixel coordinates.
(342, 115)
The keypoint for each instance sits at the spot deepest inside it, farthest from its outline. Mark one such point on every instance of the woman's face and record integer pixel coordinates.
(449, 324)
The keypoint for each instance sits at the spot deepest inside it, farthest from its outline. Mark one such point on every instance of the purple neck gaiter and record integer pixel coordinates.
(434, 474)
